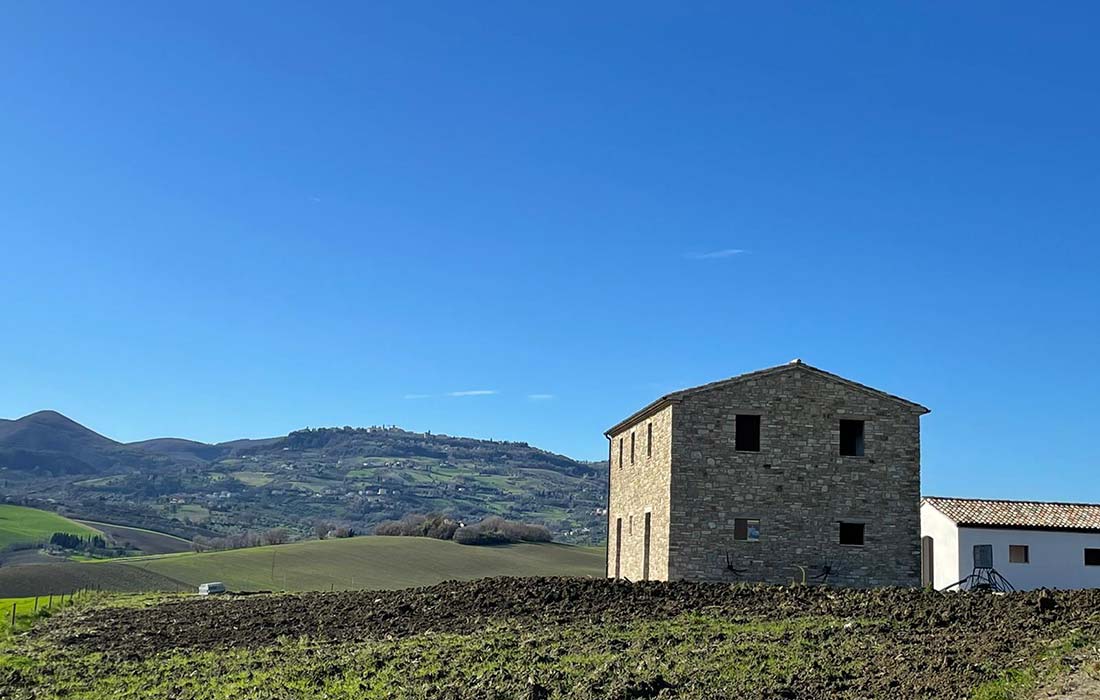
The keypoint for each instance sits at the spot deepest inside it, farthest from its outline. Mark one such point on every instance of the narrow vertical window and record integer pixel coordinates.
(649, 440)
(620, 453)
(632, 448)
(618, 547)
(851, 438)
(746, 434)
(645, 549)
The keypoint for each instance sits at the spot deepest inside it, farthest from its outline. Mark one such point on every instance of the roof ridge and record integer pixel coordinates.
(795, 364)
(1010, 500)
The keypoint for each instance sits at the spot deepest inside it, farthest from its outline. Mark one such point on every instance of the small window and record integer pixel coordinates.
(1018, 554)
(851, 438)
(649, 440)
(630, 525)
(746, 435)
(983, 556)
(620, 453)
(746, 529)
(1092, 557)
(851, 534)
(632, 448)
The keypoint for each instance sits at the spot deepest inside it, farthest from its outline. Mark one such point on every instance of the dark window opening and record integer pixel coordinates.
(632, 448)
(1018, 554)
(747, 434)
(746, 529)
(649, 440)
(851, 533)
(620, 453)
(645, 549)
(1092, 557)
(851, 438)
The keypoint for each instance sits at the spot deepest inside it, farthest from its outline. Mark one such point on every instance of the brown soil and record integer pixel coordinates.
(925, 644)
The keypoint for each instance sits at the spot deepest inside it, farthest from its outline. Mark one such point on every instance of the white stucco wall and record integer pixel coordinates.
(1057, 559)
(945, 546)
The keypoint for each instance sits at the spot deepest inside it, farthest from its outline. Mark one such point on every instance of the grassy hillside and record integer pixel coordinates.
(19, 525)
(371, 563)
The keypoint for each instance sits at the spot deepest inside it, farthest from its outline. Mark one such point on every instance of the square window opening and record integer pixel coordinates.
(852, 534)
(746, 529)
(1018, 554)
(851, 438)
(747, 433)
(983, 556)
(1092, 557)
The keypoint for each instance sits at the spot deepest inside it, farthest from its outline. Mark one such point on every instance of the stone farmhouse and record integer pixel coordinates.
(785, 474)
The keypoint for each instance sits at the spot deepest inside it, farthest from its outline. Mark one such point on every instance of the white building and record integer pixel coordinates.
(1031, 544)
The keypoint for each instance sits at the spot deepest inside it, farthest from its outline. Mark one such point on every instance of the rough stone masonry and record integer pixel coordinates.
(822, 486)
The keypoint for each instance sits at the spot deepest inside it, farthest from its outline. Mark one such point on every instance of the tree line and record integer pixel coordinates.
(490, 531)
(66, 540)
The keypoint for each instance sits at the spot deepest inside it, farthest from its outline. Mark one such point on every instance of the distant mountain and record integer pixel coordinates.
(47, 442)
(349, 476)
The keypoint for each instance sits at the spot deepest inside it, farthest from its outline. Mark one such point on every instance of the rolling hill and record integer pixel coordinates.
(351, 477)
(345, 564)
(371, 563)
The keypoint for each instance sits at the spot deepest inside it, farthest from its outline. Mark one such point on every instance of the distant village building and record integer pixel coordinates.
(785, 474)
(1030, 544)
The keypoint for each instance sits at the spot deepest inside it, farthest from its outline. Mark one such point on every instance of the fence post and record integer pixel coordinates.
(51, 602)
(13, 614)
(36, 603)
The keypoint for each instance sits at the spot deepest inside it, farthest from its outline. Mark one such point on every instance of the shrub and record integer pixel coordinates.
(476, 536)
(435, 525)
(497, 530)
(492, 530)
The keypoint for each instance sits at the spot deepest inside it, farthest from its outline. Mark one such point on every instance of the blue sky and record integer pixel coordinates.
(524, 221)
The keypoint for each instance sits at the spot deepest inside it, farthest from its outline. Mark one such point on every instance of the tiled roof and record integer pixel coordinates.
(1021, 514)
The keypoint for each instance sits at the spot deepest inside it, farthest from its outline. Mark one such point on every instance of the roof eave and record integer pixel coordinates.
(652, 409)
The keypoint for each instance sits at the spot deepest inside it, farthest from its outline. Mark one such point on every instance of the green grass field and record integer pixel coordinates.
(252, 478)
(19, 525)
(369, 562)
(27, 609)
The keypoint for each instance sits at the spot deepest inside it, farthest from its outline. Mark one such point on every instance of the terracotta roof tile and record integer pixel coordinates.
(1022, 514)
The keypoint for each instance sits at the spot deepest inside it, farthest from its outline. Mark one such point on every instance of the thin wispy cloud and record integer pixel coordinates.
(540, 397)
(715, 254)
(473, 392)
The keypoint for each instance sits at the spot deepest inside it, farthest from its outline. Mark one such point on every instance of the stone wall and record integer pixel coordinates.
(798, 485)
(639, 487)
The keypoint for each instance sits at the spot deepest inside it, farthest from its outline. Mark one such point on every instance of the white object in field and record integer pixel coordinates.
(211, 588)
